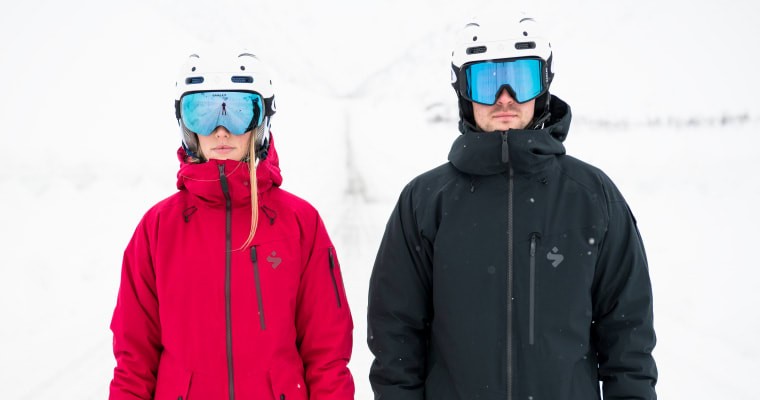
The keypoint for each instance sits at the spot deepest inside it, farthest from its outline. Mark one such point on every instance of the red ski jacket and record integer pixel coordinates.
(198, 318)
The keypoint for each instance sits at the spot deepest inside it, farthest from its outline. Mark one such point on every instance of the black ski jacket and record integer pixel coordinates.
(512, 272)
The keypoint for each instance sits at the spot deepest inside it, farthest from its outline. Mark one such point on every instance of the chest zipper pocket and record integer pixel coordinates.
(532, 301)
(257, 281)
(332, 275)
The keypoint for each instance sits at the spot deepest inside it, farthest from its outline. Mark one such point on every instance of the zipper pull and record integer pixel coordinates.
(223, 179)
(504, 148)
(532, 244)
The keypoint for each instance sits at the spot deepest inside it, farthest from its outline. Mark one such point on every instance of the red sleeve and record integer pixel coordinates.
(323, 322)
(135, 324)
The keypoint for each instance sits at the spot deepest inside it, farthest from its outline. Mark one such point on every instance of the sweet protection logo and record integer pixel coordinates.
(555, 257)
(274, 260)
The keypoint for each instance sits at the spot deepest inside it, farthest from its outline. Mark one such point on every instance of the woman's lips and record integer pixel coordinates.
(223, 149)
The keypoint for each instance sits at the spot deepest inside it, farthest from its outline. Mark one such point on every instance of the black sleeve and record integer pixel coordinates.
(623, 329)
(399, 308)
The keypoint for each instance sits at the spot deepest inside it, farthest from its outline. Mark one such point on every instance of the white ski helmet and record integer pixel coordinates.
(501, 38)
(233, 71)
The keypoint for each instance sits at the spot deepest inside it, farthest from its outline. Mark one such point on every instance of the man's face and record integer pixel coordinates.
(505, 114)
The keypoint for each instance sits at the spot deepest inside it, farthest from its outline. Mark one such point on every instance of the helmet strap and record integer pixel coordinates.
(541, 114)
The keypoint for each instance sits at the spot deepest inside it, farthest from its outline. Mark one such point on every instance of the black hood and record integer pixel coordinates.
(489, 153)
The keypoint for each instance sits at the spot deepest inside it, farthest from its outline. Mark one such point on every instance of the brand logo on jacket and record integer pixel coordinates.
(555, 257)
(274, 260)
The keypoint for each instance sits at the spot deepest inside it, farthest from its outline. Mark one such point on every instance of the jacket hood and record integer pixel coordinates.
(529, 151)
(203, 180)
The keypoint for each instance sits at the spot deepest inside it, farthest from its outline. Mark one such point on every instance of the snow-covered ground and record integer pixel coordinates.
(660, 98)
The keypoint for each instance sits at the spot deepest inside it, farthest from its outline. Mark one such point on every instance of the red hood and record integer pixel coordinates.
(202, 180)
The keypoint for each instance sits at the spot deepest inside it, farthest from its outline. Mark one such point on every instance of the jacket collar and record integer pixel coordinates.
(529, 151)
(203, 180)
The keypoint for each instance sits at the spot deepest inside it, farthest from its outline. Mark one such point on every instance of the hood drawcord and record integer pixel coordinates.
(188, 212)
(271, 214)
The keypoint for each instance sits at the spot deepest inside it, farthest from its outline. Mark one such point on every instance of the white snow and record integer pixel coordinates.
(663, 96)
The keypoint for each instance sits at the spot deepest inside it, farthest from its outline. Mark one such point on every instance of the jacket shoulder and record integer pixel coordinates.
(590, 177)
(429, 183)
(300, 215)
(168, 204)
(290, 201)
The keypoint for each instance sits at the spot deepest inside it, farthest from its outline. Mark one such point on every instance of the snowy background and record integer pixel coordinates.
(664, 100)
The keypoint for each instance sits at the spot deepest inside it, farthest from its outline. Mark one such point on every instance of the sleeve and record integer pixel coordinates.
(399, 307)
(135, 324)
(623, 329)
(323, 322)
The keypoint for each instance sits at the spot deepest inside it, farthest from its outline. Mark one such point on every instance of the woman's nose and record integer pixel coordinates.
(221, 131)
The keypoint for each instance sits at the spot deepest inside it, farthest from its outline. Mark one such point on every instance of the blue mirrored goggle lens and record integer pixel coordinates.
(203, 112)
(484, 80)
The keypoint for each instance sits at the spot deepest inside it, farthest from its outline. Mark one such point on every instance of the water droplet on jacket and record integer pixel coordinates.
(491, 269)
(532, 200)
(589, 253)
(591, 241)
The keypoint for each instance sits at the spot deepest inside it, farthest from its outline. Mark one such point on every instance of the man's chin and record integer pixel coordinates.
(505, 126)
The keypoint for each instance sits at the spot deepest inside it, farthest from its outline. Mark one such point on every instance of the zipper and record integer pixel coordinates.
(332, 275)
(510, 252)
(510, 293)
(257, 279)
(532, 315)
(227, 277)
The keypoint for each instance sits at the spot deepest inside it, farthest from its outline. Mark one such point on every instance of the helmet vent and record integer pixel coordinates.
(242, 79)
(525, 45)
(194, 80)
(476, 50)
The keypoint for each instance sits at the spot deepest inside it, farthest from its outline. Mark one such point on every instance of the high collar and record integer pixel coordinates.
(203, 180)
(528, 151)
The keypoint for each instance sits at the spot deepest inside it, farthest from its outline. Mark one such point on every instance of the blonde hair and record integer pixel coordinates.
(254, 186)
(256, 137)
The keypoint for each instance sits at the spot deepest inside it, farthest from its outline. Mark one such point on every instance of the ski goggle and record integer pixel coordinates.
(522, 79)
(238, 112)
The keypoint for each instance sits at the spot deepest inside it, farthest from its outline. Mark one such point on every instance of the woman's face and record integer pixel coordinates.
(223, 145)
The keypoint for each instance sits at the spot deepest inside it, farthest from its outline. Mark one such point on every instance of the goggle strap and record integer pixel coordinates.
(269, 106)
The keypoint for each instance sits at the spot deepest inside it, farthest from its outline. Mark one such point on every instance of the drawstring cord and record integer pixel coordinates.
(271, 214)
(188, 212)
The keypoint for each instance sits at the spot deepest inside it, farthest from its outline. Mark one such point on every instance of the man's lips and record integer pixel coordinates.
(505, 115)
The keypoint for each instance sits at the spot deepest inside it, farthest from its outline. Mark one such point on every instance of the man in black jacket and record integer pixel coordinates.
(513, 271)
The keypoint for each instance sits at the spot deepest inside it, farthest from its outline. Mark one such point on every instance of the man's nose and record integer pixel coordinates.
(504, 98)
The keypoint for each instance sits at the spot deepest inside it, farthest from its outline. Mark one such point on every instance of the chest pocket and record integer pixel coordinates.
(560, 273)
(276, 267)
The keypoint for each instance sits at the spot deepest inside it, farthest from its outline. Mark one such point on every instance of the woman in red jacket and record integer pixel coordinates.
(230, 288)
